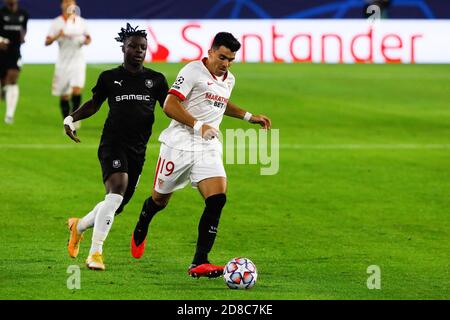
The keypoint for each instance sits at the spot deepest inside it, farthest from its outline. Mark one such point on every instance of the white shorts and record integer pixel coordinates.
(65, 78)
(175, 168)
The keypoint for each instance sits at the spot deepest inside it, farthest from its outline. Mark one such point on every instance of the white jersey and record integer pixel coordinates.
(75, 32)
(205, 97)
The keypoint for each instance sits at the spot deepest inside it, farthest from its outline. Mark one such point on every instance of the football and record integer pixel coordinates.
(240, 273)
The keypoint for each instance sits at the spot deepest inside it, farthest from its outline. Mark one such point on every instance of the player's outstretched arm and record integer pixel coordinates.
(173, 109)
(236, 112)
(89, 108)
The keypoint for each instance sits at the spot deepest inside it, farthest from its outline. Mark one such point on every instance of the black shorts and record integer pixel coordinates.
(8, 60)
(114, 160)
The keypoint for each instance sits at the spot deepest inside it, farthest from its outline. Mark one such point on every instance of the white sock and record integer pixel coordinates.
(88, 220)
(11, 97)
(104, 220)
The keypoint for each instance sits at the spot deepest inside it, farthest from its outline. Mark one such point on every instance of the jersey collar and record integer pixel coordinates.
(65, 19)
(215, 78)
(131, 73)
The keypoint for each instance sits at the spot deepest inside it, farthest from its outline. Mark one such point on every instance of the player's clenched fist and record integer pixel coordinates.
(206, 131)
(69, 127)
(209, 132)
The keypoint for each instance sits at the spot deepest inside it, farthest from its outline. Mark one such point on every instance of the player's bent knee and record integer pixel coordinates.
(161, 202)
(12, 76)
(160, 199)
(117, 183)
(119, 189)
(216, 201)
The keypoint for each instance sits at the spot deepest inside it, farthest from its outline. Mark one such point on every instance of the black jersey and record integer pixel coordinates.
(13, 26)
(131, 98)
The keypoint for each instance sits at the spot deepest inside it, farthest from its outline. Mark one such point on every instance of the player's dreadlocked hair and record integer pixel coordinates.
(129, 32)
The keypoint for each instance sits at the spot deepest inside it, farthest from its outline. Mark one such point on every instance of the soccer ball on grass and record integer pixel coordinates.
(240, 273)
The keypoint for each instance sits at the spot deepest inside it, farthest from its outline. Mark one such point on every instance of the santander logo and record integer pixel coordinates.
(293, 41)
(158, 52)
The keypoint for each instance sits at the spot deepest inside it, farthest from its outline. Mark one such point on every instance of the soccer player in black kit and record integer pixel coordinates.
(13, 27)
(132, 92)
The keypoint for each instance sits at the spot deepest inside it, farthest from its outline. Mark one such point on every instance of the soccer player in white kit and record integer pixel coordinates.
(71, 32)
(13, 28)
(190, 148)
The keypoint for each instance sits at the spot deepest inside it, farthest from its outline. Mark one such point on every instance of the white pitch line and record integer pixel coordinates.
(365, 146)
(47, 146)
(281, 146)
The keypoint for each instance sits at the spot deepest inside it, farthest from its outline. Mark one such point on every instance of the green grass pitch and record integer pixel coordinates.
(364, 180)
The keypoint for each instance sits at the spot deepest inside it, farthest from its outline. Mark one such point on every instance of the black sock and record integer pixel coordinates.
(149, 209)
(65, 107)
(207, 228)
(76, 101)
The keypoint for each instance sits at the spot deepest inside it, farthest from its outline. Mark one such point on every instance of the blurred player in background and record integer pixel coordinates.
(71, 33)
(13, 27)
(132, 92)
(190, 149)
